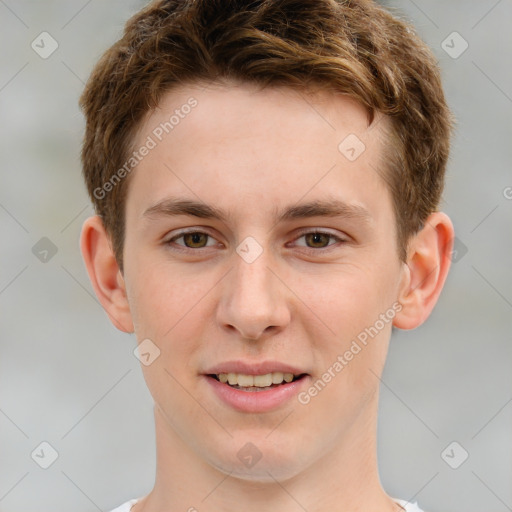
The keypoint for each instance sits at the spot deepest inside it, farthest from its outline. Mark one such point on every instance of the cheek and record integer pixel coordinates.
(353, 313)
(165, 300)
(170, 310)
(344, 302)
(172, 306)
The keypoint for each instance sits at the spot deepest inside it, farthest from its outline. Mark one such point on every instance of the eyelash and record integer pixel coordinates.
(182, 248)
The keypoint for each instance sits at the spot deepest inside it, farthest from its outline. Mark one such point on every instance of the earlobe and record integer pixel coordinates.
(427, 266)
(104, 273)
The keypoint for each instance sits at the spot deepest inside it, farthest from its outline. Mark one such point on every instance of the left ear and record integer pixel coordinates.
(428, 262)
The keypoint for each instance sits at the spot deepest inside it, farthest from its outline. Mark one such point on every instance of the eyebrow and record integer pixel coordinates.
(329, 207)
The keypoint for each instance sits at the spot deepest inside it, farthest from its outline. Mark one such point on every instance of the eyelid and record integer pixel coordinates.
(300, 234)
(201, 230)
(320, 231)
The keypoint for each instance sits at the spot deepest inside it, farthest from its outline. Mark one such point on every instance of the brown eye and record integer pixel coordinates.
(195, 240)
(191, 240)
(318, 240)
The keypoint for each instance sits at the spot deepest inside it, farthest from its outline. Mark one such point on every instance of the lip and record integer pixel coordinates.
(253, 368)
(256, 401)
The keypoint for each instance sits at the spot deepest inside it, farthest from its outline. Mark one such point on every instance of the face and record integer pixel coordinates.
(257, 244)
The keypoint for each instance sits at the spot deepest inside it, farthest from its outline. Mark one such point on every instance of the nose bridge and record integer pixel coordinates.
(252, 300)
(253, 280)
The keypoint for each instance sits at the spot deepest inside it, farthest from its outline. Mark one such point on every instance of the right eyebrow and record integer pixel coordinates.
(172, 207)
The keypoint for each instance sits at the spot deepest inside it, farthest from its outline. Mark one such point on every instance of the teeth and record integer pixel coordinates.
(245, 381)
(277, 377)
(259, 381)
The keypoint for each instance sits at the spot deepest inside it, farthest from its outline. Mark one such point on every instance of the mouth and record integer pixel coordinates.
(260, 393)
(256, 383)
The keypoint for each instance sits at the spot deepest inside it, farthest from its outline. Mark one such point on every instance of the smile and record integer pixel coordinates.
(255, 382)
(256, 393)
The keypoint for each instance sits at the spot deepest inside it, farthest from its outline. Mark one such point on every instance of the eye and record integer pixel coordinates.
(191, 240)
(318, 239)
(314, 240)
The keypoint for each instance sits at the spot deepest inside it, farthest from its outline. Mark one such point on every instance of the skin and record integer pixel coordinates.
(303, 301)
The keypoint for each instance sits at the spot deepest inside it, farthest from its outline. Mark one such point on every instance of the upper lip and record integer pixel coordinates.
(253, 368)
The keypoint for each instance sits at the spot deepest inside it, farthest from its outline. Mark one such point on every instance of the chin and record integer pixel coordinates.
(259, 461)
(262, 473)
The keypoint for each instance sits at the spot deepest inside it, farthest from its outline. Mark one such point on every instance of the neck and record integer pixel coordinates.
(344, 479)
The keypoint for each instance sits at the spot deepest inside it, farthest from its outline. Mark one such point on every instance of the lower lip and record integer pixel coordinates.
(256, 401)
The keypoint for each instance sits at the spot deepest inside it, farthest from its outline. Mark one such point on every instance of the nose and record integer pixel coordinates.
(254, 299)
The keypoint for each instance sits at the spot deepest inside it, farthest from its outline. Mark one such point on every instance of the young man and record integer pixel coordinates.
(267, 176)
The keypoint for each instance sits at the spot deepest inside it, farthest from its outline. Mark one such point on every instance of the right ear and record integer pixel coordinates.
(427, 266)
(104, 273)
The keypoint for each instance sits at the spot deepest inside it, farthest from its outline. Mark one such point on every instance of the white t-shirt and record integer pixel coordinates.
(409, 507)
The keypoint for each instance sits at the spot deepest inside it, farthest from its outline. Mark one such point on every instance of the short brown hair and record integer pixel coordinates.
(354, 47)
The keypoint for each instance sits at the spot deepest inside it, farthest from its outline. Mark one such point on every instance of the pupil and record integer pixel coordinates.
(317, 238)
(194, 238)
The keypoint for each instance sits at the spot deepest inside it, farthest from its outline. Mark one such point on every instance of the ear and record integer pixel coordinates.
(104, 273)
(428, 262)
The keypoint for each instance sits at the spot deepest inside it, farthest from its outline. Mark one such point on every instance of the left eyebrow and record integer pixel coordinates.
(324, 208)
(318, 208)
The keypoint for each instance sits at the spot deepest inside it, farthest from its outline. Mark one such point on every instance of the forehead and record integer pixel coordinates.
(238, 109)
(253, 146)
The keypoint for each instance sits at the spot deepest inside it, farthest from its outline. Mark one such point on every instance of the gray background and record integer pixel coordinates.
(69, 378)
